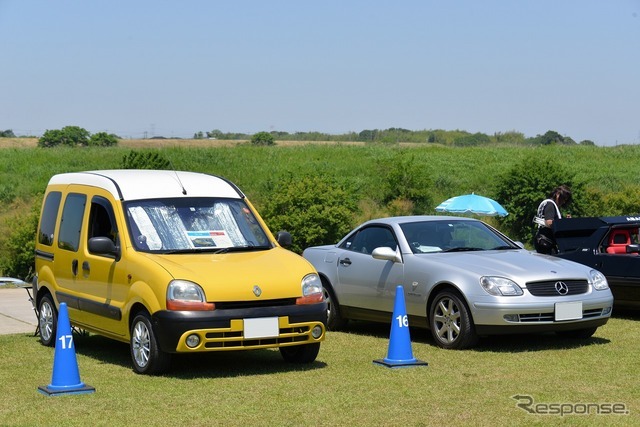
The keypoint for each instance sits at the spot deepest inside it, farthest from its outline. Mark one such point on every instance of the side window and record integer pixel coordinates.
(101, 220)
(49, 218)
(71, 221)
(366, 240)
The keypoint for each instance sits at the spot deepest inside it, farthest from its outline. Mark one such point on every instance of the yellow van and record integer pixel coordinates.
(171, 262)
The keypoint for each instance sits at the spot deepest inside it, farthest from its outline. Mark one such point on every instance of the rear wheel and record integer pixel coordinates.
(451, 323)
(147, 357)
(47, 320)
(306, 353)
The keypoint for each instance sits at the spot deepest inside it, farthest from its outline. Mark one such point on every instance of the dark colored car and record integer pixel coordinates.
(608, 244)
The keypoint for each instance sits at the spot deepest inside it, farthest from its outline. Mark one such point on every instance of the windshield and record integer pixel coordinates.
(453, 236)
(193, 224)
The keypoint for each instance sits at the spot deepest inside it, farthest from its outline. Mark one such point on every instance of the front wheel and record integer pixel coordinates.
(47, 321)
(305, 353)
(147, 357)
(335, 322)
(451, 323)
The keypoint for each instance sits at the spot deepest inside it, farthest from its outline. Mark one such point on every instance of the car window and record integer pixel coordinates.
(193, 223)
(369, 238)
(71, 221)
(452, 235)
(49, 218)
(102, 220)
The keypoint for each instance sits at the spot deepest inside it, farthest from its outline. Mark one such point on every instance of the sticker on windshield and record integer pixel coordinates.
(210, 238)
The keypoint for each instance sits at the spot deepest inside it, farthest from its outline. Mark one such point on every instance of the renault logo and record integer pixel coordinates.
(257, 291)
(562, 288)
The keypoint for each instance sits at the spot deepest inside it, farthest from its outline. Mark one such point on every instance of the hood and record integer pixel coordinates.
(521, 264)
(232, 276)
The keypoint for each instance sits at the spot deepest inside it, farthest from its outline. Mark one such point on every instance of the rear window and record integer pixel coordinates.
(49, 218)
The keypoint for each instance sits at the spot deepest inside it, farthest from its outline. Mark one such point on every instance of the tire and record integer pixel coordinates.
(335, 322)
(450, 322)
(305, 353)
(146, 356)
(578, 333)
(47, 321)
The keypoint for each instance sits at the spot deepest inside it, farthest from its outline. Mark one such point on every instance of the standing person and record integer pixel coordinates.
(549, 211)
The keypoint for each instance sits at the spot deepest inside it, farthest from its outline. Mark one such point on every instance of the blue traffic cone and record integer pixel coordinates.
(399, 354)
(66, 377)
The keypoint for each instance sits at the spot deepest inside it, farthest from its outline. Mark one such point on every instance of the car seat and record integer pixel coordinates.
(618, 241)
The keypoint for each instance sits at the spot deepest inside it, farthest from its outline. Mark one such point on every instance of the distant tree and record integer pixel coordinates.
(511, 137)
(7, 134)
(215, 134)
(551, 137)
(69, 135)
(103, 139)
(472, 140)
(198, 135)
(587, 142)
(263, 138)
(145, 160)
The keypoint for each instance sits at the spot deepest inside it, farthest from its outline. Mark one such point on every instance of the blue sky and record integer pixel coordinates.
(173, 68)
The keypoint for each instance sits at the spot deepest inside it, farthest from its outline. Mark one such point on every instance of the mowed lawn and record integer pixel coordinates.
(343, 387)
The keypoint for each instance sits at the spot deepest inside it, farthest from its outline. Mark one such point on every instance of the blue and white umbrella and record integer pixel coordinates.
(474, 204)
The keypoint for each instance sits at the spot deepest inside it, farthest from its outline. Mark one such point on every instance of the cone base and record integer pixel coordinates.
(400, 363)
(56, 391)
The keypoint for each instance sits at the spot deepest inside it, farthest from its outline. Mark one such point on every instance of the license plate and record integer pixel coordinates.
(263, 327)
(568, 310)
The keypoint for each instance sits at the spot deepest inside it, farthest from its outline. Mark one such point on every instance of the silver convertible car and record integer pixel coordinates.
(462, 279)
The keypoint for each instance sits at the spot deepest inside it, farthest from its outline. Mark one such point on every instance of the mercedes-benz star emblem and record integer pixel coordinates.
(257, 291)
(562, 288)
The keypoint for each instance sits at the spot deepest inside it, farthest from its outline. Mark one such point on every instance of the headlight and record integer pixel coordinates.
(184, 295)
(500, 286)
(311, 290)
(598, 280)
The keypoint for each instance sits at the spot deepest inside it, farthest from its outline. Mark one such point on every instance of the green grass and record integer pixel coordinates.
(343, 387)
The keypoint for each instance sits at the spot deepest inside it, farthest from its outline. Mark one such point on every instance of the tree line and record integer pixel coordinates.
(75, 135)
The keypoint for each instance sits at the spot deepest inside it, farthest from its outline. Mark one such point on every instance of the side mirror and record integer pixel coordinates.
(387, 254)
(633, 249)
(283, 238)
(103, 246)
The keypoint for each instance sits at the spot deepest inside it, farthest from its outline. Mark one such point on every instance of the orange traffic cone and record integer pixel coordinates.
(399, 354)
(66, 377)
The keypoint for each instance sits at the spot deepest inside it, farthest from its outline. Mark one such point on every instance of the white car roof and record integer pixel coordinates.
(137, 184)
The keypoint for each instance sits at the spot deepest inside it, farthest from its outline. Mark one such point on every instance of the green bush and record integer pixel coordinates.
(404, 179)
(103, 139)
(314, 209)
(71, 136)
(19, 247)
(145, 160)
(263, 138)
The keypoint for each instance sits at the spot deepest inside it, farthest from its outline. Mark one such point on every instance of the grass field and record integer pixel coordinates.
(343, 387)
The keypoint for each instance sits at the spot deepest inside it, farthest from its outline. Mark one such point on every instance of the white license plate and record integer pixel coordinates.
(263, 327)
(568, 310)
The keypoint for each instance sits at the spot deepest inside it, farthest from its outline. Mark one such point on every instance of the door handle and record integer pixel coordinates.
(345, 262)
(85, 268)
(74, 267)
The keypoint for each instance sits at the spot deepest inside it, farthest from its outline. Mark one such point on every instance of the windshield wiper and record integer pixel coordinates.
(241, 249)
(462, 249)
(502, 248)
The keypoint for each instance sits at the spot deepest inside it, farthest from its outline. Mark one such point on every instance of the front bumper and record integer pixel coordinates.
(493, 318)
(221, 330)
